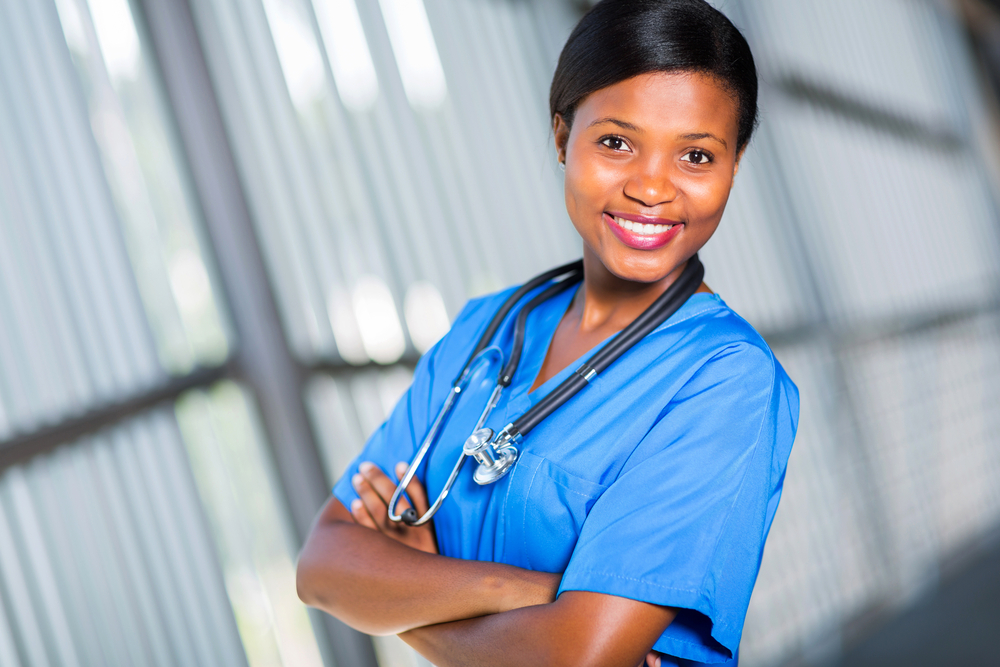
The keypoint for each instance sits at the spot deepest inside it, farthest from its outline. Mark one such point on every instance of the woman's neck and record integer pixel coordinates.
(607, 302)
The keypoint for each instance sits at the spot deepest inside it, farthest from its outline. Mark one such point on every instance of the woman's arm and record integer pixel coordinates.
(461, 641)
(579, 629)
(380, 586)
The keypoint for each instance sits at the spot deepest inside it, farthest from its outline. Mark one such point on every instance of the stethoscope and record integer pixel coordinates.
(497, 453)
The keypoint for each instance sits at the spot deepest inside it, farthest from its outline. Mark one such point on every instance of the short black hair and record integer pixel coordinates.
(620, 39)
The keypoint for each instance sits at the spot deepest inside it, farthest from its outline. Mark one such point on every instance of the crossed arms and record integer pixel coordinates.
(383, 578)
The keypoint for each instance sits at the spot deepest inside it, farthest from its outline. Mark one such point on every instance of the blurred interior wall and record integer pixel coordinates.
(229, 227)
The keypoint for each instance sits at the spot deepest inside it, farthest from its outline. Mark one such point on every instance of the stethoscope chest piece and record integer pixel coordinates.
(495, 458)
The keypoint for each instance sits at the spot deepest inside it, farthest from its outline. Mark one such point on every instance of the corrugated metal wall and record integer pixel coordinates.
(396, 158)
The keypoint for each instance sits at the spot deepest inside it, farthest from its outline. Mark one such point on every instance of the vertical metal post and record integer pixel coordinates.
(262, 358)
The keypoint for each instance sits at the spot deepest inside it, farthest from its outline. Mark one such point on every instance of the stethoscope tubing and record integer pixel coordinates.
(662, 309)
(658, 312)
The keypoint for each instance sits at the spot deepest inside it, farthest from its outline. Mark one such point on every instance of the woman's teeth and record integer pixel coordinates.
(639, 228)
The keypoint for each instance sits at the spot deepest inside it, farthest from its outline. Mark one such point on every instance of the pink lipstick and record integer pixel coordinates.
(641, 232)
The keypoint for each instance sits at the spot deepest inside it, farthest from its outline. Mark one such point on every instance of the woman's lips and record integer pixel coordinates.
(642, 233)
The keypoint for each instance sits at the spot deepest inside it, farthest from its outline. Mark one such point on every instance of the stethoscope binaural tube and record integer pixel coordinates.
(497, 454)
(571, 274)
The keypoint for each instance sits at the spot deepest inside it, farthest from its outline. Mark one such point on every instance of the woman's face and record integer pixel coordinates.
(649, 163)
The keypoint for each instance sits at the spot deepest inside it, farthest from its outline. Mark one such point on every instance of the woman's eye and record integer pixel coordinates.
(615, 143)
(697, 157)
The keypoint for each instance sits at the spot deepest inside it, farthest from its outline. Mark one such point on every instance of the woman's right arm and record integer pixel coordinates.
(379, 586)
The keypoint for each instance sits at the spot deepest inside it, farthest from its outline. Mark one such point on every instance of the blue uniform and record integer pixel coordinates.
(658, 482)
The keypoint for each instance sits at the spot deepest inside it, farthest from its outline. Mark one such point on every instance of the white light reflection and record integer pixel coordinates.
(350, 59)
(117, 37)
(415, 51)
(345, 327)
(189, 281)
(298, 52)
(72, 26)
(378, 322)
(426, 315)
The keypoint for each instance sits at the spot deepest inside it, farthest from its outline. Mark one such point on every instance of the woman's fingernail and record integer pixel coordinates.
(366, 466)
(356, 505)
(357, 479)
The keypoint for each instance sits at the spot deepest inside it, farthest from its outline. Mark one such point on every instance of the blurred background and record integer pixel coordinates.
(229, 228)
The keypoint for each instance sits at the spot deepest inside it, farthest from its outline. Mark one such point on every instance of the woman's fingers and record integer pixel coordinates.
(371, 496)
(415, 490)
(378, 480)
(361, 515)
(653, 659)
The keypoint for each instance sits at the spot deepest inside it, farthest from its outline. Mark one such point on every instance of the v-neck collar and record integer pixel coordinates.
(540, 329)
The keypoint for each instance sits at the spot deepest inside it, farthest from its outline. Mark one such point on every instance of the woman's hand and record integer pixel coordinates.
(375, 489)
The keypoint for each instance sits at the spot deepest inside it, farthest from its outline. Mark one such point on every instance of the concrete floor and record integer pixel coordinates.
(958, 624)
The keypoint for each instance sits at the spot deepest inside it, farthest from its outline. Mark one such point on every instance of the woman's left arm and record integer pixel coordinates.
(580, 628)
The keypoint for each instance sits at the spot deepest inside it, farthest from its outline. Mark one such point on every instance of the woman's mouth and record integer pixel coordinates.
(642, 235)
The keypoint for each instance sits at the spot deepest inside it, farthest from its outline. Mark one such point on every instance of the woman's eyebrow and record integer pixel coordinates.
(620, 123)
(704, 135)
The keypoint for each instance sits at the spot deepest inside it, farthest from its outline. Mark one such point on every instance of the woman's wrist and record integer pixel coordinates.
(514, 588)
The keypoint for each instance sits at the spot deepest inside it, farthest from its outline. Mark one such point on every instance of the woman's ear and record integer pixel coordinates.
(560, 131)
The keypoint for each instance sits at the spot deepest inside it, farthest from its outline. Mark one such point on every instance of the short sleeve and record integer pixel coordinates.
(684, 523)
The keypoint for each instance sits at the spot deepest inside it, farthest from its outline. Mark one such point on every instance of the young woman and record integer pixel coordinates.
(633, 522)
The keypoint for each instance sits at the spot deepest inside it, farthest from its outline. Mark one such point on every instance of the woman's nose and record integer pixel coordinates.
(652, 183)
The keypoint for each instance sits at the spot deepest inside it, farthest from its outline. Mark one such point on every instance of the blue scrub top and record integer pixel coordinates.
(658, 482)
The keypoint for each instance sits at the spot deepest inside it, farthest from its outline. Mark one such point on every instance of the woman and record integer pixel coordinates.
(634, 521)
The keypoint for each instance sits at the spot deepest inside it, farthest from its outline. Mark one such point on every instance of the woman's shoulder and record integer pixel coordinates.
(712, 334)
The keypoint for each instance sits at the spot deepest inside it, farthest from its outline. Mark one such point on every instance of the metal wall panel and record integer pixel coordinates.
(104, 291)
(371, 205)
(105, 561)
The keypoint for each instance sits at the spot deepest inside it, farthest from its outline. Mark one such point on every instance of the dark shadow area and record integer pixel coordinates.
(956, 624)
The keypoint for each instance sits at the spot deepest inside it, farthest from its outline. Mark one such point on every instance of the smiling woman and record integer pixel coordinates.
(632, 524)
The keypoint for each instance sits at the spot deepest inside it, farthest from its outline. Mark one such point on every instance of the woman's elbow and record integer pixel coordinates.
(307, 577)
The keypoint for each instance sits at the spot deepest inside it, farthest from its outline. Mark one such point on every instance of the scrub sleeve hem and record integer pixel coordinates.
(720, 648)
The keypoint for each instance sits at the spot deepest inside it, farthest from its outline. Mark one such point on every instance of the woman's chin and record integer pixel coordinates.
(647, 269)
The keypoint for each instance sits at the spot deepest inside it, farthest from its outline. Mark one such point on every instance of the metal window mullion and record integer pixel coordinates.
(283, 249)
(263, 356)
(230, 84)
(308, 223)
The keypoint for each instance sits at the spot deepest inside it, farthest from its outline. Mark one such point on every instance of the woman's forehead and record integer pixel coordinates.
(663, 102)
